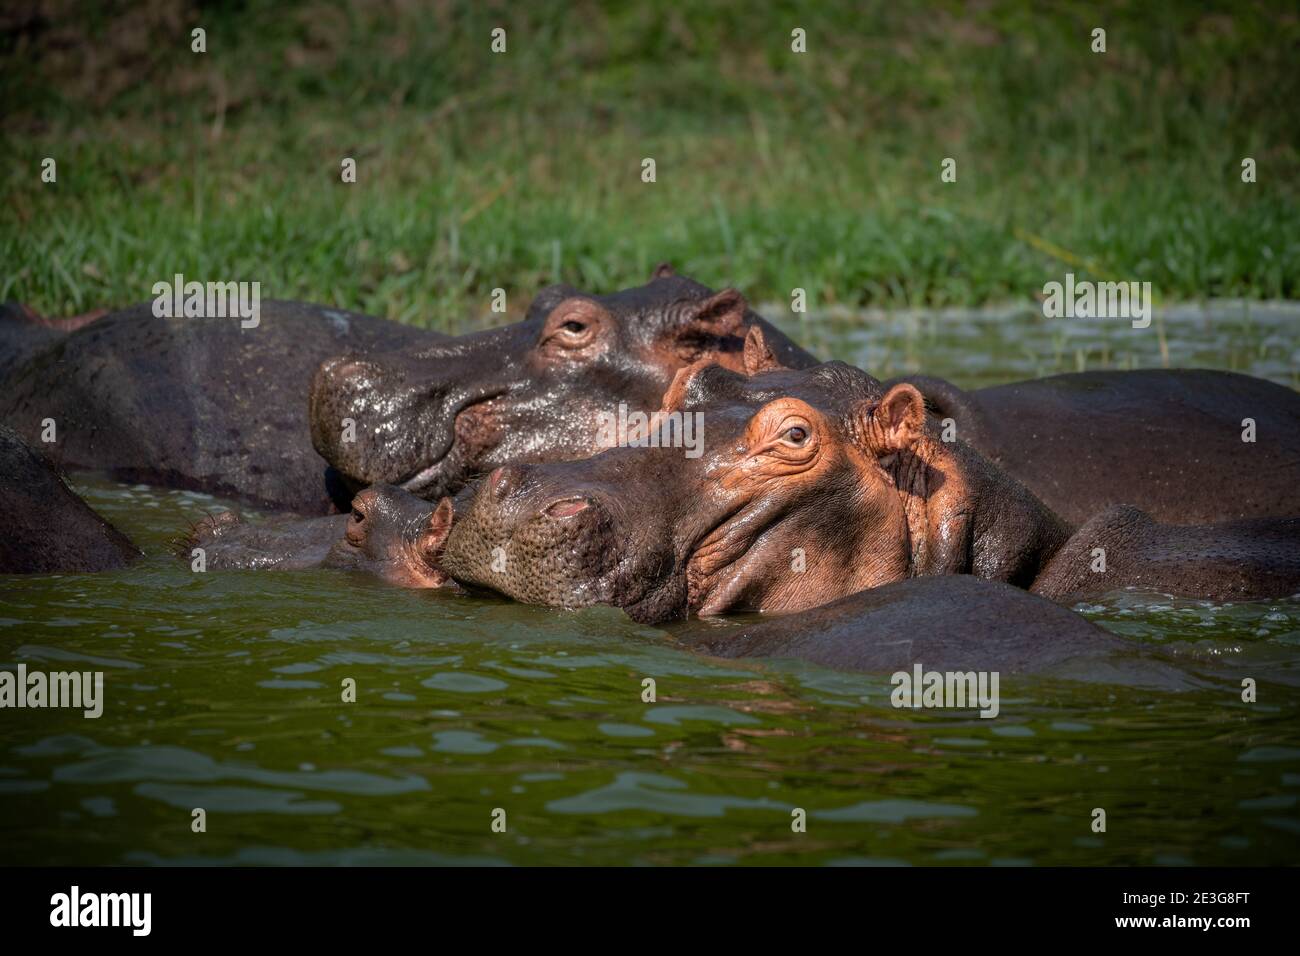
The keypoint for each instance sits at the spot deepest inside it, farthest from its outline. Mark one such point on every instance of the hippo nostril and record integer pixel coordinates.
(567, 508)
(343, 371)
(349, 371)
(330, 364)
(504, 480)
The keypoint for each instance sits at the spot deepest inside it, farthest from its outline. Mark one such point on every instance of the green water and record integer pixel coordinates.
(223, 691)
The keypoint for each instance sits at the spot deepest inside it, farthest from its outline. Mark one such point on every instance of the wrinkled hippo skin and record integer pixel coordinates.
(387, 532)
(430, 419)
(47, 528)
(952, 623)
(1231, 561)
(1168, 441)
(193, 402)
(814, 484)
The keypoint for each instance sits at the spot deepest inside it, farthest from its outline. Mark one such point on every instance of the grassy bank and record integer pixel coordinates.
(774, 169)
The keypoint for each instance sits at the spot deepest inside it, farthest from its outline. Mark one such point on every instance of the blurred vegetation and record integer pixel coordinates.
(775, 169)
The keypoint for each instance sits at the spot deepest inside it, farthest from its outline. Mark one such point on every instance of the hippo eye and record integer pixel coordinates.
(796, 435)
(357, 516)
(574, 326)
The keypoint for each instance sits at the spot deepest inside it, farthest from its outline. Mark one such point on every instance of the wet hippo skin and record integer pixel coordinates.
(24, 332)
(194, 403)
(48, 529)
(959, 623)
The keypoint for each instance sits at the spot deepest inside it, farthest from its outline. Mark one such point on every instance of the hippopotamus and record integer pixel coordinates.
(230, 541)
(1167, 441)
(48, 529)
(816, 484)
(387, 532)
(194, 403)
(429, 419)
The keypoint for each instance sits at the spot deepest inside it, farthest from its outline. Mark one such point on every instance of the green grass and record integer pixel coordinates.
(775, 170)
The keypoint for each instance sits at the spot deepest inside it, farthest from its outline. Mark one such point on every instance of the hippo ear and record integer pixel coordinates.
(675, 397)
(759, 356)
(719, 316)
(895, 423)
(433, 536)
(663, 271)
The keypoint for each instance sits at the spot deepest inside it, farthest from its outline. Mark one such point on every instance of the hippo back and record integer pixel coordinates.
(194, 402)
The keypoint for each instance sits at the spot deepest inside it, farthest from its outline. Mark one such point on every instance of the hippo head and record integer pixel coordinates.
(395, 536)
(428, 421)
(792, 502)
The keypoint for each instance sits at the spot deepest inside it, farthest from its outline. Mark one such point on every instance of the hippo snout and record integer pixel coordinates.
(395, 536)
(534, 542)
(503, 481)
(339, 378)
(342, 374)
(342, 387)
(424, 422)
(376, 422)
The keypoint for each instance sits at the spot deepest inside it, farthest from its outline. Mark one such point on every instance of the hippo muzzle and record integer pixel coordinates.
(544, 535)
(534, 542)
(414, 421)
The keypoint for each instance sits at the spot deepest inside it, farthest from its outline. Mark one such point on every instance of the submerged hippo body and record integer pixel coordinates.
(952, 623)
(1168, 441)
(231, 542)
(813, 485)
(193, 402)
(387, 532)
(1233, 560)
(47, 528)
